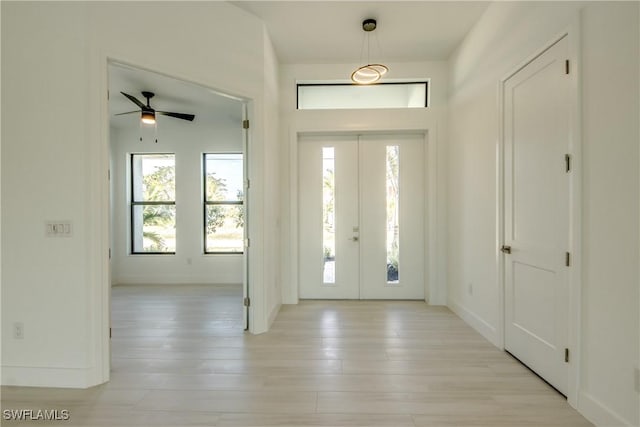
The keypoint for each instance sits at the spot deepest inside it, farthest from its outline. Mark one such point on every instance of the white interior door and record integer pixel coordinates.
(361, 217)
(536, 197)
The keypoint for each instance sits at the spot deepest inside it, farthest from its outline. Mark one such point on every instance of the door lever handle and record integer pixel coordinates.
(354, 238)
(506, 249)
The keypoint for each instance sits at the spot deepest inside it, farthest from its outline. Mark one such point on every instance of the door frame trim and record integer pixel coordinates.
(100, 295)
(574, 324)
(432, 281)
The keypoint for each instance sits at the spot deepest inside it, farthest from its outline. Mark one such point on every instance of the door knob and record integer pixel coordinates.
(506, 249)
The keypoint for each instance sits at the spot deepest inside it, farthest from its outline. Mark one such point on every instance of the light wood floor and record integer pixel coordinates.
(180, 358)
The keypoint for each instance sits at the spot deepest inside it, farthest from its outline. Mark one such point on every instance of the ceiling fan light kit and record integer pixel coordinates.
(148, 113)
(370, 73)
(148, 117)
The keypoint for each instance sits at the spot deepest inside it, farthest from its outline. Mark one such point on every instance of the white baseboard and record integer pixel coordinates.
(598, 413)
(476, 322)
(47, 377)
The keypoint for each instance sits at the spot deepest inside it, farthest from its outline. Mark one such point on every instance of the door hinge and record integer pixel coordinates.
(247, 243)
(109, 332)
(245, 124)
(566, 66)
(567, 259)
(247, 302)
(109, 174)
(567, 162)
(109, 253)
(566, 355)
(248, 184)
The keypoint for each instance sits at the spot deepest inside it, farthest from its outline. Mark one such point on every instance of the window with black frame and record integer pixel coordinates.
(337, 96)
(153, 203)
(223, 177)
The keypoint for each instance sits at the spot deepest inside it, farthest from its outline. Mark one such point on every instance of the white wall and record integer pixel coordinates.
(44, 281)
(611, 171)
(508, 34)
(432, 120)
(55, 68)
(188, 141)
(1, 293)
(273, 164)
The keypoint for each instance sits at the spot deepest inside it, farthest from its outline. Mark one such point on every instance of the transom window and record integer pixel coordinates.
(323, 96)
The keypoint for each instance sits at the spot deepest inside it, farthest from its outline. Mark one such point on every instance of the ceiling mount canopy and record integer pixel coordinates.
(370, 73)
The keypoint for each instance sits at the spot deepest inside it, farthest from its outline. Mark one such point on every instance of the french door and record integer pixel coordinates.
(536, 217)
(361, 217)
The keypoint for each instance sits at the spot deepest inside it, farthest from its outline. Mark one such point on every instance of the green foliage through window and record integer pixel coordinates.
(153, 210)
(223, 203)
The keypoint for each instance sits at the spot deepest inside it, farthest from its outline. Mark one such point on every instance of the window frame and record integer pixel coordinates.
(206, 203)
(133, 203)
(426, 83)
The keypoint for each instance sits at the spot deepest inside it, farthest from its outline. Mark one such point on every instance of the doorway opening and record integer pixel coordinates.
(178, 261)
(539, 215)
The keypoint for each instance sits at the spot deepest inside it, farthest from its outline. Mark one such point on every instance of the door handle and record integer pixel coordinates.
(354, 238)
(506, 249)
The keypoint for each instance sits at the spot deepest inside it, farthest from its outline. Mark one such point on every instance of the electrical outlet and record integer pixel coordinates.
(18, 330)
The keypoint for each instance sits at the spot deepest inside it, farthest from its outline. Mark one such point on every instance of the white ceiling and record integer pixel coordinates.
(306, 32)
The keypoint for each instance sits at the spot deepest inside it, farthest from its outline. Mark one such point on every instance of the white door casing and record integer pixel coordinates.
(536, 214)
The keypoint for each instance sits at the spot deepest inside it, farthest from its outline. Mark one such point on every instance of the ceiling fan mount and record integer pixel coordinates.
(148, 113)
(148, 95)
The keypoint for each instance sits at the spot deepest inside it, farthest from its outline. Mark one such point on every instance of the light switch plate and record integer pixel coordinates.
(62, 228)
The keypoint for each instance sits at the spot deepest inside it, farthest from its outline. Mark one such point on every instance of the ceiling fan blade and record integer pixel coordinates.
(134, 100)
(182, 116)
(128, 112)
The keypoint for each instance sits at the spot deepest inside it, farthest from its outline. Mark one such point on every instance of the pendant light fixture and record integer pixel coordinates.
(370, 73)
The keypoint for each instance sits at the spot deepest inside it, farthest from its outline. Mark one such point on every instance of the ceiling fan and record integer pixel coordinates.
(148, 114)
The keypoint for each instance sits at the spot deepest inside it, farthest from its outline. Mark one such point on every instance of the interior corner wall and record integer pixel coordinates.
(273, 189)
(54, 61)
(189, 265)
(506, 35)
